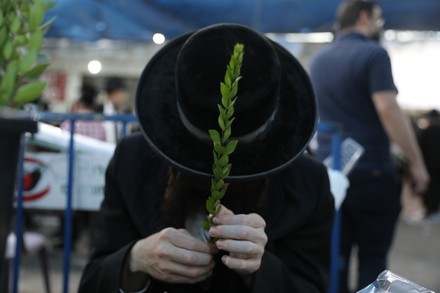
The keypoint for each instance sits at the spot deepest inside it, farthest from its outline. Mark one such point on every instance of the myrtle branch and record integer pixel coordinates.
(223, 146)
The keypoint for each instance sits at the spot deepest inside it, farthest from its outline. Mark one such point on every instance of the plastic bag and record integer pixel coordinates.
(388, 282)
(351, 152)
(338, 186)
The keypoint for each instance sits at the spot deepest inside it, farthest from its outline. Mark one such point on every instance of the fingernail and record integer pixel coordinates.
(212, 231)
(219, 244)
(216, 220)
(224, 259)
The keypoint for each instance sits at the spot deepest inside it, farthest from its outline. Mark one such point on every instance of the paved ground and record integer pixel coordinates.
(416, 251)
(415, 256)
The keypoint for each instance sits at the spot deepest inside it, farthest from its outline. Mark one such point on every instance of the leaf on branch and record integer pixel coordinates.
(215, 159)
(230, 122)
(219, 148)
(218, 172)
(26, 63)
(221, 123)
(230, 147)
(15, 25)
(219, 184)
(206, 225)
(29, 92)
(3, 35)
(36, 70)
(7, 49)
(226, 135)
(234, 90)
(221, 110)
(215, 136)
(36, 16)
(36, 40)
(225, 101)
(229, 113)
(223, 160)
(209, 206)
(228, 78)
(224, 89)
(226, 170)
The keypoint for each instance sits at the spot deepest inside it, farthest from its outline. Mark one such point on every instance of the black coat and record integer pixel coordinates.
(298, 212)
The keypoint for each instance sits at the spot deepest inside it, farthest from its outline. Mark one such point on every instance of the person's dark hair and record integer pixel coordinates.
(113, 84)
(186, 194)
(349, 11)
(88, 95)
(433, 116)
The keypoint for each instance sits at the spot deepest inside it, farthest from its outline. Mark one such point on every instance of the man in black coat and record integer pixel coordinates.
(273, 230)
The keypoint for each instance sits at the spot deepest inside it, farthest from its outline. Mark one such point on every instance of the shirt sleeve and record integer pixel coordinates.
(380, 72)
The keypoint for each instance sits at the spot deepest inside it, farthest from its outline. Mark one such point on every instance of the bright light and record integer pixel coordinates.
(94, 66)
(158, 38)
(301, 37)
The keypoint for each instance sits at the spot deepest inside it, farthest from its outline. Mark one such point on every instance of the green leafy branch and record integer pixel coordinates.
(21, 39)
(223, 147)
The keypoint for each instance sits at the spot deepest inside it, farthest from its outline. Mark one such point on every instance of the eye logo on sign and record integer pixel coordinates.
(34, 185)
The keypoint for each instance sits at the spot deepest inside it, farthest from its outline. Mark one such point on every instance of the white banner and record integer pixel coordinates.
(45, 180)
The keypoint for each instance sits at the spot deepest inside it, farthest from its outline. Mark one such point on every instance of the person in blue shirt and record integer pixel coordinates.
(353, 83)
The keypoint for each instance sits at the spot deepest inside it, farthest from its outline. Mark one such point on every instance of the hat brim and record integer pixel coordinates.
(290, 132)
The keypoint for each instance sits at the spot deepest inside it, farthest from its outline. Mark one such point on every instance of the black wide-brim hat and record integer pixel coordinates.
(179, 90)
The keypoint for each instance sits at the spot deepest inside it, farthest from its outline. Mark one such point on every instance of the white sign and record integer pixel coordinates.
(46, 177)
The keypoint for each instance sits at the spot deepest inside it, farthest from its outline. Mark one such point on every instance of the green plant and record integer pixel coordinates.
(22, 28)
(223, 146)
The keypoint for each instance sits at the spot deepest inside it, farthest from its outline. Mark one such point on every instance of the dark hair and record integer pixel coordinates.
(113, 84)
(349, 11)
(88, 95)
(186, 195)
(433, 116)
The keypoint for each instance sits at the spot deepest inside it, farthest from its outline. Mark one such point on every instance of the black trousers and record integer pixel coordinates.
(431, 197)
(368, 219)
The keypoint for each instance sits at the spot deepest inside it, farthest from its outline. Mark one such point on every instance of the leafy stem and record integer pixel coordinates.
(223, 146)
(22, 27)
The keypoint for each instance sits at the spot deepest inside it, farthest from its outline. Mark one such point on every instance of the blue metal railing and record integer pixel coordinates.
(334, 129)
(19, 212)
(57, 117)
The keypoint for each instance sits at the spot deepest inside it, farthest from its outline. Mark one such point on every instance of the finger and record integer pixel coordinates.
(252, 220)
(247, 266)
(188, 257)
(244, 249)
(416, 189)
(238, 232)
(184, 231)
(225, 211)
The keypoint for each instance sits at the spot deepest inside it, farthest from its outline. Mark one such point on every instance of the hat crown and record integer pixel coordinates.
(201, 65)
(179, 90)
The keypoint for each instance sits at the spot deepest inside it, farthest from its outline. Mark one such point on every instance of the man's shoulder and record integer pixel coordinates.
(306, 166)
(134, 149)
(303, 188)
(353, 44)
(133, 142)
(309, 162)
